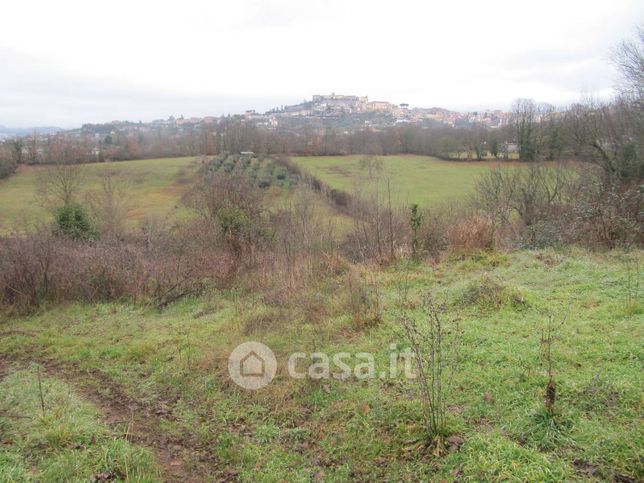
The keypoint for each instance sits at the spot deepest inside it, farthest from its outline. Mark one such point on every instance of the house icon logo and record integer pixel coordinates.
(252, 365)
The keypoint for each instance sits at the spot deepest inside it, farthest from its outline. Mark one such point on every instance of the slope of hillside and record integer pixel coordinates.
(173, 365)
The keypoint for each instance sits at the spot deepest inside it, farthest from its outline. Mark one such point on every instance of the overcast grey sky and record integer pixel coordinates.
(67, 62)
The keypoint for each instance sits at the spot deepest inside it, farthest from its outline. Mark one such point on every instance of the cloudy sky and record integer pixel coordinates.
(67, 62)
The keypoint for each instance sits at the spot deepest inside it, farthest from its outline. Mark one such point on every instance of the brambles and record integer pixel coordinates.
(607, 212)
(471, 234)
(547, 206)
(39, 268)
(528, 194)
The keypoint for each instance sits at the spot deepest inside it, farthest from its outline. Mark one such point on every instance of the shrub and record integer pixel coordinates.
(26, 266)
(281, 174)
(526, 193)
(543, 234)
(72, 221)
(363, 299)
(244, 162)
(608, 213)
(109, 205)
(7, 167)
(415, 221)
(432, 232)
(471, 234)
(156, 267)
(488, 293)
(434, 343)
(265, 182)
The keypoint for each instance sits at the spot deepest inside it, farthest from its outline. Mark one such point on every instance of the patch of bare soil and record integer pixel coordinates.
(181, 457)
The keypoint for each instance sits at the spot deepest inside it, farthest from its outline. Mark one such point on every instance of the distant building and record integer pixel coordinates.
(511, 148)
(379, 106)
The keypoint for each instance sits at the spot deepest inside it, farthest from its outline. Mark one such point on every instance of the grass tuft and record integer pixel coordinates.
(65, 442)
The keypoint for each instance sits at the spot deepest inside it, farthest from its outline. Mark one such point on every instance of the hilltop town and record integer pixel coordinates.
(335, 106)
(323, 110)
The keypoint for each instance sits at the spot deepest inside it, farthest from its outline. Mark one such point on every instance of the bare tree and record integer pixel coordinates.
(60, 184)
(610, 135)
(32, 149)
(525, 121)
(379, 226)
(629, 59)
(110, 205)
(576, 130)
(529, 193)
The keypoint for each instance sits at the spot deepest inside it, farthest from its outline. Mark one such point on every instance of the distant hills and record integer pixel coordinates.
(9, 132)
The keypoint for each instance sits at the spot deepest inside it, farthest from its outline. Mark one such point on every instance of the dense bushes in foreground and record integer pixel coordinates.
(43, 267)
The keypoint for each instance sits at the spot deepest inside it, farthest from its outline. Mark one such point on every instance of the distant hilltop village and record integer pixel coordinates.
(336, 111)
(338, 105)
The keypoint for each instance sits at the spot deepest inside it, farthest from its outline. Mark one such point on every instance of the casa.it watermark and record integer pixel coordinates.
(253, 365)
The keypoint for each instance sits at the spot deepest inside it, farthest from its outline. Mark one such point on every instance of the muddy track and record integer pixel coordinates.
(181, 457)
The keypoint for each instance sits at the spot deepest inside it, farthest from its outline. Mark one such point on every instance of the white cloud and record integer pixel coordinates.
(73, 61)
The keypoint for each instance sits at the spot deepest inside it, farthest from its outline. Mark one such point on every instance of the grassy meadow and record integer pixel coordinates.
(62, 437)
(414, 179)
(133, 391)
(155, 187)
(172, 366)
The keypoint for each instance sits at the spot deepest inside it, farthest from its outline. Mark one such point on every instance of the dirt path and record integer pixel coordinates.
(181, 457)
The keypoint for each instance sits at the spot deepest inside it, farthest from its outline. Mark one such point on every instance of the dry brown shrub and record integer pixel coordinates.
(472, 234)
(39, 268)
(363, 298)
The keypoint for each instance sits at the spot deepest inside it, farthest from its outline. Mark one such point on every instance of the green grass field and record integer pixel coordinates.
(157, 185)
(155, 188)
(172, 367)
(62, 437)
(414, 179)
